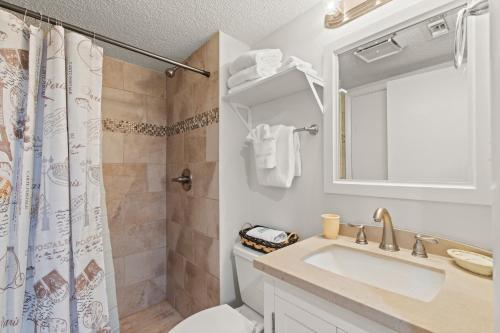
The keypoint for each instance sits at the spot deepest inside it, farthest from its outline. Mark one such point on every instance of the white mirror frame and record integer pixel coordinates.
(377, 24)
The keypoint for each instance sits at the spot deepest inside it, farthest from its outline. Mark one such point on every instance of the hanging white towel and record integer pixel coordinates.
(298, 159)
(284, 172)
(271, 57)
(268, 234)
(264, 146)
(251, 73)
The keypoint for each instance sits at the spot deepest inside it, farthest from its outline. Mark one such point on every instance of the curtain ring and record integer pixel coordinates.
(24, 17)
(41, 20)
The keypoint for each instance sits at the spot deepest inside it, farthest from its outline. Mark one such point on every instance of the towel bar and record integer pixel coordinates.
(313, 129)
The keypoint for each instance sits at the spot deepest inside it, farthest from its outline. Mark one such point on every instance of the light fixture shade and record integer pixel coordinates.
(334, 13)
(337, 15)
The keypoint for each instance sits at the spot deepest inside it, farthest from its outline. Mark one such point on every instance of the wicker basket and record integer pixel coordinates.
(262, 245)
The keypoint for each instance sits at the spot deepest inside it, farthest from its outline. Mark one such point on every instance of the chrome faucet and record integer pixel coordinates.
(388, 242)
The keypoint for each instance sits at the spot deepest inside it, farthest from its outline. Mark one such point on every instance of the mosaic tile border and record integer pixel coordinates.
(199, 120)
(131, 127)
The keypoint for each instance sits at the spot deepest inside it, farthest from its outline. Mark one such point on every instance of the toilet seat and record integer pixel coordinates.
(219, 319)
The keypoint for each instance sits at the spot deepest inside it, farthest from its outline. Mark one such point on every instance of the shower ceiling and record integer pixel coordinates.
(171, 28)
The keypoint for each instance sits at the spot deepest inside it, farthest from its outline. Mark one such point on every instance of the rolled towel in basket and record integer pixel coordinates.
(268, 234)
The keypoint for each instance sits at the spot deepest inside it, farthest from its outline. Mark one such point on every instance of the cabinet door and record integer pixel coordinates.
(290, 318)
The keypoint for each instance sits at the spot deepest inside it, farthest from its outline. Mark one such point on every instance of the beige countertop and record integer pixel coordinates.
(464, 303)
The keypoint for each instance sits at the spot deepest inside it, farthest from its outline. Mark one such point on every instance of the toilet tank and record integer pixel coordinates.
(250, 280)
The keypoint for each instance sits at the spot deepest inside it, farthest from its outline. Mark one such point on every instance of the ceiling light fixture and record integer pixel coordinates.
(336, 13)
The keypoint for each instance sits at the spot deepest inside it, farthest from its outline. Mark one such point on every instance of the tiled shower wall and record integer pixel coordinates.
(134, 163)
(193, 216)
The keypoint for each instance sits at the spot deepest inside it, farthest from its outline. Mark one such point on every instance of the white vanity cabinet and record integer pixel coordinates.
(288, 309)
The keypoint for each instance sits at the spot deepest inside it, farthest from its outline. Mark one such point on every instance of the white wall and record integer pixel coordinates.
(495, 56)
(299, 208)
(429, 127)
(367, 134)
(234, 192)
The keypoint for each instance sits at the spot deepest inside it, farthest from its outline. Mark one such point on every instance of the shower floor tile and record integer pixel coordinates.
(159, 318)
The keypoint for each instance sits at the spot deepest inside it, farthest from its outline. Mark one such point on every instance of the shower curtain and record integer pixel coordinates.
(56, 272)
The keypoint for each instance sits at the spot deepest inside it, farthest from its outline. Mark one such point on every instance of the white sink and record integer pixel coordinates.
(412, 280)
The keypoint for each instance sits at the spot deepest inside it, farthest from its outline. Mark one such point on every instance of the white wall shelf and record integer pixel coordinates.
(282, 84)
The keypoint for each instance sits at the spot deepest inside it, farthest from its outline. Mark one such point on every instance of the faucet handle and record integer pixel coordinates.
(361, 235)
(419, 247)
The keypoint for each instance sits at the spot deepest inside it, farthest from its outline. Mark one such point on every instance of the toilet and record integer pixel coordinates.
(223, 318)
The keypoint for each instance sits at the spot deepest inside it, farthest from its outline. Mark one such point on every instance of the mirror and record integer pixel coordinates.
(404, 113)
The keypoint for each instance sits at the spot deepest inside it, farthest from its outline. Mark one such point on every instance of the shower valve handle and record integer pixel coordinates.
(185, 179)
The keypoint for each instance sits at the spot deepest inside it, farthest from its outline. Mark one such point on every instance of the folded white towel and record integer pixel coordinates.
(251, 73)
(284, 172)
(268, 234)
(248, 59)
(296, 62)
(306, 69)
(264, 146)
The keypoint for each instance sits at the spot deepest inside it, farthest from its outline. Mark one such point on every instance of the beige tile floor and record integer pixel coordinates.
(159, 318)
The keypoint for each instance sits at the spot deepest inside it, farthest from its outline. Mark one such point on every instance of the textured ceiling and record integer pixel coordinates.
(171, 28)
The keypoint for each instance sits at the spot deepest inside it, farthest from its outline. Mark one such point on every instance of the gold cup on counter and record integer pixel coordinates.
(331, 225)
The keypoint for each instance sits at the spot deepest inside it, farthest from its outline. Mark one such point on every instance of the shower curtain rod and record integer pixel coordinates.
(91, 34)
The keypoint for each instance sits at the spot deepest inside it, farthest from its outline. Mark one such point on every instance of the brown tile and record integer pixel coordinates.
(156, 110)
(122, 179)
(173, 233)
(212, 53)
(119, 265)
(195, 145)
(156, 290)
(183, 302)
(132, 299)
(185, 243)
(182, 106)
(171, 287)
(158, 150)
(175, 146)
(123, 105)
(176, 205)
(195, 284)
(213, 290)
(143, 207)
(112, 73)
(157, 174)
(136, 148)
(212, 143)
(206, 93)
(143, 81)
(205, 179)
(203, 216)
(144, 149)
(112, 147)
(133, 238)
(206, 253)
(145, 266)
(159, 318)
(196, 59)
(176, 268)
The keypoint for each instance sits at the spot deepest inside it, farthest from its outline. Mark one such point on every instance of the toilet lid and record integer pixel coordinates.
(219, 319)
